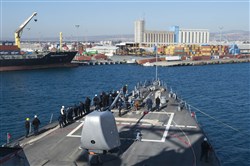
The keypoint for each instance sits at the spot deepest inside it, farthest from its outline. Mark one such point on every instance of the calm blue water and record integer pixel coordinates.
(221, 91)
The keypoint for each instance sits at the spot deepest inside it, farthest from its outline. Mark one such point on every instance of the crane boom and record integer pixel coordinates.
(20, 29)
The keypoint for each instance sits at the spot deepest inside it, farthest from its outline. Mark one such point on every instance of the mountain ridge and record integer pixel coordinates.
(231, 35)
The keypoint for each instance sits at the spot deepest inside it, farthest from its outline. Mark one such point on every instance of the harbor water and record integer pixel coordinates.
(219, 95)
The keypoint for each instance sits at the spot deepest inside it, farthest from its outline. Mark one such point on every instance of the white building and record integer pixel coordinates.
(107, 50)
(193, 36)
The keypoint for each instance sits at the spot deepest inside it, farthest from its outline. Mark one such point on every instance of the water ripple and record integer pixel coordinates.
(221, 91)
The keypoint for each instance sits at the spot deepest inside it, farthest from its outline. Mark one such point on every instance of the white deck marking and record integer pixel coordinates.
(167, 127)
(183, 126)
(70, 134)
(150, 140)
(179, 126)
(163, 139)
(126, 123)
(75, 136)
(193, 127)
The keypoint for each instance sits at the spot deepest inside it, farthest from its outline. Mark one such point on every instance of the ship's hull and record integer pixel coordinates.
(49, 60)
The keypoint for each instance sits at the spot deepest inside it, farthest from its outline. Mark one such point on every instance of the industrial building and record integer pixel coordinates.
(139, 31)
(175, 35)
(190, 36)
(150, 38)
(159, 37)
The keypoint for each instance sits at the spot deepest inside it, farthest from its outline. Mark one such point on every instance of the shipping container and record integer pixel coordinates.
(9, 48)
(215, 57)
(100, 56)
(150, 60)
(83, 58)
(184, 58)
(173, 58)
(195, 58)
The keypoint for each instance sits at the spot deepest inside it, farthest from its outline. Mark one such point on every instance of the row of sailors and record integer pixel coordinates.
(101, 102)
(104, 100)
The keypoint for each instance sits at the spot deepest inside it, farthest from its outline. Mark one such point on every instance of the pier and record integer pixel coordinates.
(127, 60)
(198, 63)
(92, 63)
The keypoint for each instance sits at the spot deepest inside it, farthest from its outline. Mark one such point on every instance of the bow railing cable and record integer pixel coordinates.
(225, 124)
(219, 121)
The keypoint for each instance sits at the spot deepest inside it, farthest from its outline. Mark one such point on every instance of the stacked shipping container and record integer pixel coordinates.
(195, 50)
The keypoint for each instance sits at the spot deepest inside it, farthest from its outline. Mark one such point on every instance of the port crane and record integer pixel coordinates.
(19, 31)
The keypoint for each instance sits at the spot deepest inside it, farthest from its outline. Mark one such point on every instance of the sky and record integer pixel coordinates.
(116, 17)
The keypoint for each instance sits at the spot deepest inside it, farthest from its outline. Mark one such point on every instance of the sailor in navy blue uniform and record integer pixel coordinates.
(205, 147)
(36, 122)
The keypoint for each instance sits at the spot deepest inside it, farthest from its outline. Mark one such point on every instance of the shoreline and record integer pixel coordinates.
(199, 63)
(126, 60)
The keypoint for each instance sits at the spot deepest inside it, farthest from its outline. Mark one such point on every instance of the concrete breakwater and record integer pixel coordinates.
(133, 59)
(97, 63)
(116, 59)
(196, 63)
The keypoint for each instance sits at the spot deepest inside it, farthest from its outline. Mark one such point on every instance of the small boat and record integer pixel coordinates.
(147, 64)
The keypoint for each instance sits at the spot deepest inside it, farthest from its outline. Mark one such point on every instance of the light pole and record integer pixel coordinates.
(221, 27)
(28, 34)
(77, 27)
(28, 38)
(86, 32)
(39, 33)
(156, 59)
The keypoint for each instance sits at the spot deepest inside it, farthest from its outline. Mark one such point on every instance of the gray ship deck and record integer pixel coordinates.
(169, 137)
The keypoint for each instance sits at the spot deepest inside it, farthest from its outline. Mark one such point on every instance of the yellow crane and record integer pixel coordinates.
(18, 32)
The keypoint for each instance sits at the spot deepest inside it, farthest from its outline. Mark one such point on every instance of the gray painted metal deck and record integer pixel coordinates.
(169, 137)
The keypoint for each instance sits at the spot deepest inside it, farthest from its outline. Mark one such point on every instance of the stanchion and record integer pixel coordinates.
(51, 117)
(8, 138)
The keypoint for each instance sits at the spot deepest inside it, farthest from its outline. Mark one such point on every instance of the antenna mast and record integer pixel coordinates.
(156, 69)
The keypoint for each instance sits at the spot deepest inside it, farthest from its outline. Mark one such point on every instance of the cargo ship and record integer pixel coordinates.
(11, 58)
